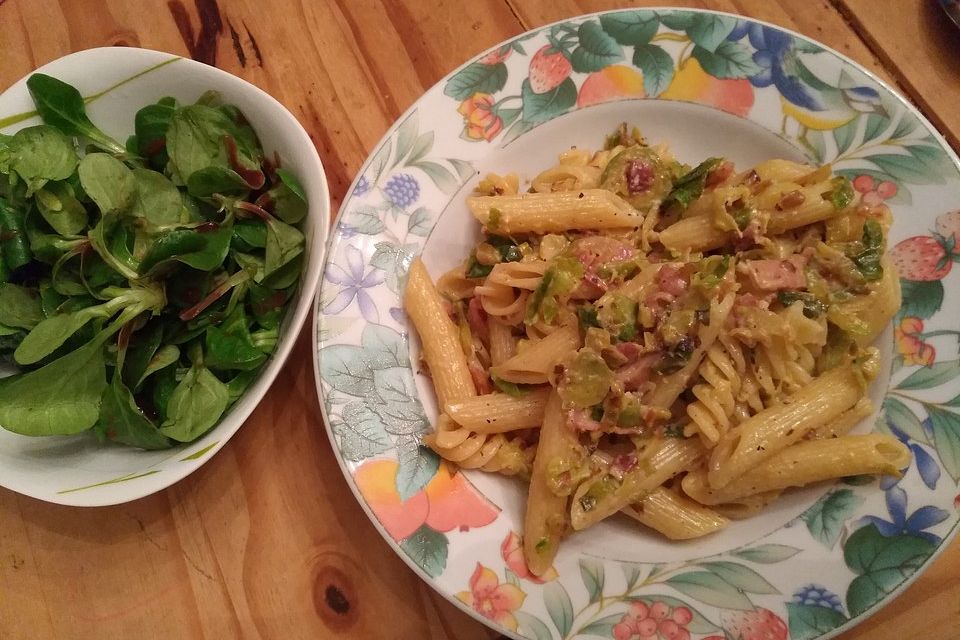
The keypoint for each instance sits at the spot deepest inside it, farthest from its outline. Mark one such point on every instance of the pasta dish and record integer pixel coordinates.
(678, 344)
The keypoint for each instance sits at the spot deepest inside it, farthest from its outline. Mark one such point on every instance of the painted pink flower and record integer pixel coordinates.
(874, 192)
(491, 599)
(511, 549)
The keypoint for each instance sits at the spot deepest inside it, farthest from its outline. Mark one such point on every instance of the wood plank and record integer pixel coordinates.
(917, 41)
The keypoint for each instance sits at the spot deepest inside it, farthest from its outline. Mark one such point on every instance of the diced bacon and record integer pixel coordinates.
(480, 379)
(751, 300)
(774, 275)
(633, 375)
(477, 318)
(629, 350)
(578, 420)
(449, 309)
(593, 251)
(625, 462)
(671, 280)
(639, 175)
(591, 287)
(721, 173)
(749, 236)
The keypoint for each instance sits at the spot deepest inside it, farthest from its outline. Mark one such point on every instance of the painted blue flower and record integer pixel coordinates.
(816, 595)
(900, 524)
(363, 185)
(777, 55)
(402, 190)
(353, 283)
(926, 465)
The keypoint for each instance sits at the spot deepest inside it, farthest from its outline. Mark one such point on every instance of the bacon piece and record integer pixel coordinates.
(625, 462)
(774, 275)
(578, 420)
(629, 350)
(640, 176)
(718, 175)
(477, 319)
(671, 280)
(480, 379)
(633, 375)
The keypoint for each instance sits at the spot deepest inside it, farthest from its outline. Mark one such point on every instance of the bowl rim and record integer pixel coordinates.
(309, 281)
(318, 313)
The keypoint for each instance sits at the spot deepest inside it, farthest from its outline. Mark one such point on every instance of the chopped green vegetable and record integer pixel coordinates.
(842, 194)
(510, 388)
(812, 308)
(493, 220)
(711, 272)
(507, 248)
(560, 280)
(676, 357)
(690, 186)
(868, 260)
(618, 315)
(587, 315)
(586, 380)
(477, 270)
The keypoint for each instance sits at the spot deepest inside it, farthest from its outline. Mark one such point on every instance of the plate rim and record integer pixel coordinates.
(948, 539)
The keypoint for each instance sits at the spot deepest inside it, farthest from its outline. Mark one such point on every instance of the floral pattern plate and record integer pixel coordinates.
(708, 84)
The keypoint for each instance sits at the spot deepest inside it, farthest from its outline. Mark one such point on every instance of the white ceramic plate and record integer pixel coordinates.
(77, 470)
(708, 84)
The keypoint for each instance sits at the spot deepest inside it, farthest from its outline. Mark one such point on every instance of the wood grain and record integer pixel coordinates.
(916, 41)
(266, 540)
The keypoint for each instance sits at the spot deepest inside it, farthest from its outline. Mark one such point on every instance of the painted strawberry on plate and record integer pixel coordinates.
(758, 624)
(548, 68)
(923, 258)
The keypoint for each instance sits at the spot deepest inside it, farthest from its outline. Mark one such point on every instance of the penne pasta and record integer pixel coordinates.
(534, 364)
(498, 412)
(603, 495)
(503, 345)
(675, 516)
(438, 335)
(554, 212)
(546, 519)
(775, 428)
(805, 463)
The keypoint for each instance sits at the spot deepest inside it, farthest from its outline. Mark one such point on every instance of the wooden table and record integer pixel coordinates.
(266, 541)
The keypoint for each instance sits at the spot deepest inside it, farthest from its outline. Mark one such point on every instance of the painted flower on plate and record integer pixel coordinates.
(910, 344)
(353, 284)
(492, 599)
(511, 550)
(916, 524)
(805, 96)
(480, 119)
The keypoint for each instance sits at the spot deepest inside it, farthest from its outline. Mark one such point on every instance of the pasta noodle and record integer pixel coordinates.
(677, 344)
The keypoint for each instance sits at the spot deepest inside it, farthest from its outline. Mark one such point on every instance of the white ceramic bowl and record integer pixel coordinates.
(77, 470)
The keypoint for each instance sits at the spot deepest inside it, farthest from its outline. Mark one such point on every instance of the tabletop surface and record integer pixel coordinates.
(267, 541)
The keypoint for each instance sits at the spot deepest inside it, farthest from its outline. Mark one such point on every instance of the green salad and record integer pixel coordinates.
(142, 285)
